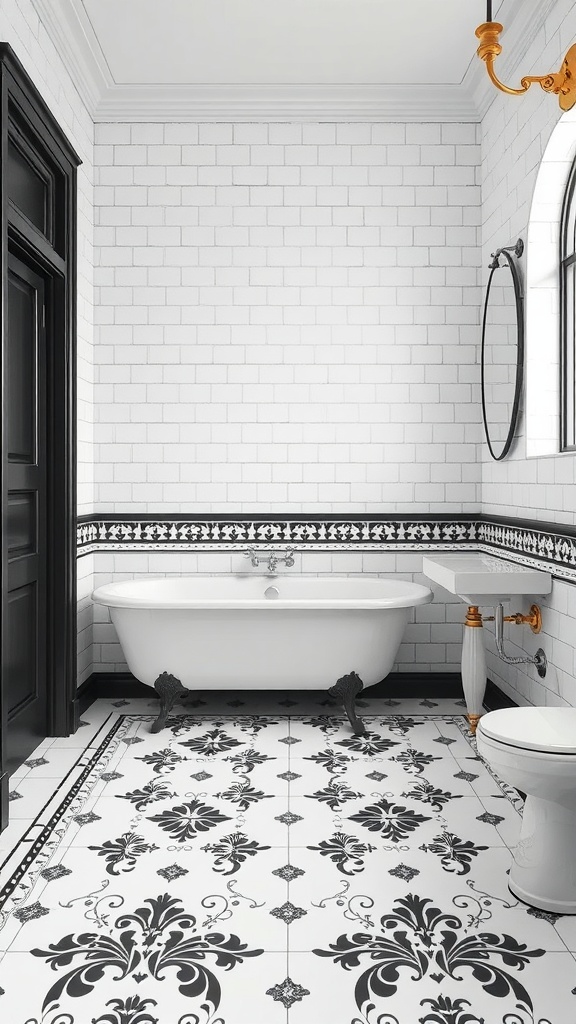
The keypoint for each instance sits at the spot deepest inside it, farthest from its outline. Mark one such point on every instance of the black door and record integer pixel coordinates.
(24, 680)
(38, 695)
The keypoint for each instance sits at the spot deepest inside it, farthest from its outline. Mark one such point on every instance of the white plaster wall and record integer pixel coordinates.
(287, 317)
(21, 28)
(515, 133)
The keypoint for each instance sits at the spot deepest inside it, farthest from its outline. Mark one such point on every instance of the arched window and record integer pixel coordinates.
(568, 317)
(550, 238)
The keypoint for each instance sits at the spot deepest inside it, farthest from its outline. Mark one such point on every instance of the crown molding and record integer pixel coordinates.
(285, 103)
(75, 40)
(69, 28)
(70, 31)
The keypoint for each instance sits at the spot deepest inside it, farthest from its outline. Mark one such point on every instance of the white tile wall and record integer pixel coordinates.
(515, 133)
(287, 317)
(21, 28)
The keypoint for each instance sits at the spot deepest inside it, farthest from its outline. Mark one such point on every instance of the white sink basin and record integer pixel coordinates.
(484, 580)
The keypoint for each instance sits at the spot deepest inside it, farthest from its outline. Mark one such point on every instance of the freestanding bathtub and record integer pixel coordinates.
(260, 632)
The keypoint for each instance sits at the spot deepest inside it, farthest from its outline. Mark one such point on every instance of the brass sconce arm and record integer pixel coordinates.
(561, 84)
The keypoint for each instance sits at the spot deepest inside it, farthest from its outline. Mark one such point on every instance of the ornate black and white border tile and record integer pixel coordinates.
(542, 545)
(228, 533)
(532, 544)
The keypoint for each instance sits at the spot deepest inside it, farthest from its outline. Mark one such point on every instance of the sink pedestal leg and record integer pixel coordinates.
(473, 666)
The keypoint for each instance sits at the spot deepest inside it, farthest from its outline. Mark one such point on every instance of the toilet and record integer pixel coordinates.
(534, 750)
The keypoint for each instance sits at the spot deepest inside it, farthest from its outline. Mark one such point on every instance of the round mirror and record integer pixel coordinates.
(502, 358)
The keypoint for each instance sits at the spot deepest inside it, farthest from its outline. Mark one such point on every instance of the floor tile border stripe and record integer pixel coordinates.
(39, 844)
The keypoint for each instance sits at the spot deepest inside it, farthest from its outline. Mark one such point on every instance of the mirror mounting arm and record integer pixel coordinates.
(517, 249)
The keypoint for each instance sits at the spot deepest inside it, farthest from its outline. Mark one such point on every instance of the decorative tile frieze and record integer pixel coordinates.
(537, 543)
(522, 542)
(325, 534)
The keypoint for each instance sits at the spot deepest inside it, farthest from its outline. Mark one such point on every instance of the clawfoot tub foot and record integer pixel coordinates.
(168, 689)
(347, 689)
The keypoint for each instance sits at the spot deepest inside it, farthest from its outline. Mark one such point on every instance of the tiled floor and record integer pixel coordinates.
(251, 866)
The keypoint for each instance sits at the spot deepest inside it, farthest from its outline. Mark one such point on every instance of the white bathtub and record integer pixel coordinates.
(225, 633)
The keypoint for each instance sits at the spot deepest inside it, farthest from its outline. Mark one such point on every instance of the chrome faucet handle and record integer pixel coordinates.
(251, 554)
(289, 555)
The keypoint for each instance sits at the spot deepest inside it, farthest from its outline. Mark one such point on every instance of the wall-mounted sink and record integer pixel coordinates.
(481, 579)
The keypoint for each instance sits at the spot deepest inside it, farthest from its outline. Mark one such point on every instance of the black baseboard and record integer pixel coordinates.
(418, 684)
(495, 698)
(4, 790)
(110, 685)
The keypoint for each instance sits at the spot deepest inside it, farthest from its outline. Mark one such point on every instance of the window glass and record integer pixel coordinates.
(568, 316)
(26, 188)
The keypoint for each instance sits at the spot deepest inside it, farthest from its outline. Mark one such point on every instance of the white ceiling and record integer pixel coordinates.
(263, 42)
(283, 59)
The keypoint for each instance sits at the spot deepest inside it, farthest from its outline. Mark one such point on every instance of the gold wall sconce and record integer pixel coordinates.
(561, 84)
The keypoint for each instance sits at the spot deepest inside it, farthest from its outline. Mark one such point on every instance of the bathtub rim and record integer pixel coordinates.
(410, 595)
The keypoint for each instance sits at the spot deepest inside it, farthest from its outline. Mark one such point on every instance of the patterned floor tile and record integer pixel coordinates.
(32, 795)
(506, 820)
(11, 843)
(223, 892)
(225, 983)
(88, 732)
(565, 925)
(476, 774)
(54, 763)
(395, 983)
(240, 869)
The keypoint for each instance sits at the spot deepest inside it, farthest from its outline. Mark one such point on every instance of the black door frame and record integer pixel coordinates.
(22, 110)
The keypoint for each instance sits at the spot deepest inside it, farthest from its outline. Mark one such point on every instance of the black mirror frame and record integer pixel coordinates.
(518, 249)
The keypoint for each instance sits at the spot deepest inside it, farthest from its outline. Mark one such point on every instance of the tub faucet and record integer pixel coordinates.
(251, 554)
(270, 558)
(272, 562)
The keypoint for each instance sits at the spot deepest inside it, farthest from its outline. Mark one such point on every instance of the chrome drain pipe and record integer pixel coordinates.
(538, 659)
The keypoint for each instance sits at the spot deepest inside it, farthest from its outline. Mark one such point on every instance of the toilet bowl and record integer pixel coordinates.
(534, 750)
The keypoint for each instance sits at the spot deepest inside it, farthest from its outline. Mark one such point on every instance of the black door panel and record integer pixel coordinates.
(25, 471)
(38, 240)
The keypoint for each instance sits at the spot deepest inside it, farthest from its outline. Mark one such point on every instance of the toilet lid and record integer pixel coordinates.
(547, 729)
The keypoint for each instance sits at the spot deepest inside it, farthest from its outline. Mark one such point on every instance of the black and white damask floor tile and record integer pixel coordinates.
(251, 866)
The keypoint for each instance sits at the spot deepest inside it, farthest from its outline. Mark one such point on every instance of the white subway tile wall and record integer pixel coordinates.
(514, 136)
(286, 317)
(22, 29)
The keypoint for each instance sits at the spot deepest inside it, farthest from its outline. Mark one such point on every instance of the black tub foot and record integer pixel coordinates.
(347, 689)
(168, 689)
